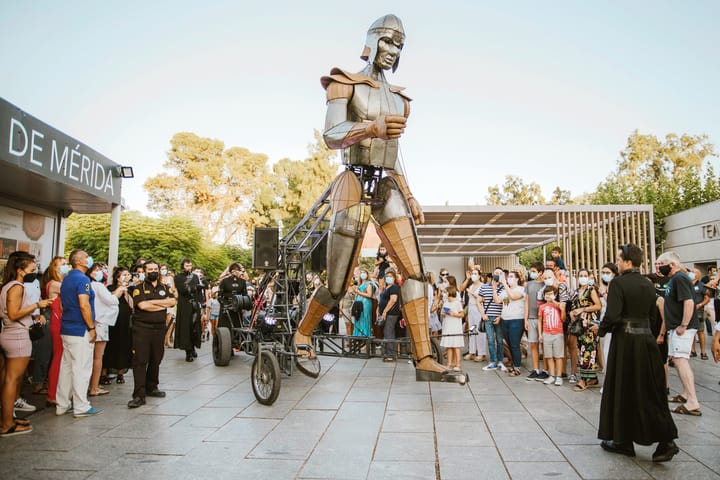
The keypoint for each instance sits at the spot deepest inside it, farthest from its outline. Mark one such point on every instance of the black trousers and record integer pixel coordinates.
(148, 351)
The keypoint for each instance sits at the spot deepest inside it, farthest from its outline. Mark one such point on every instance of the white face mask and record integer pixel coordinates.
(98, 276)
(549, 282)
(583, 281)
(316, 282)
(474, 277)
(363, 276)
(512, 281)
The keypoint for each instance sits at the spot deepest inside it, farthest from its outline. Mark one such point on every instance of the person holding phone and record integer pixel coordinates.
(452, 336)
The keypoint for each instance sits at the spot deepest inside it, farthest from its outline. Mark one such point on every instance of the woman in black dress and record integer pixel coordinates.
(118, 353)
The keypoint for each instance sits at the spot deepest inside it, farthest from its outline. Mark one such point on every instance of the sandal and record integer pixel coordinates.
(98, 392)
(16, 429)
(678, 399)
(104, 380)
(120, 379)
(23, 422)
(683, 410)
(580, 387)
(704, 356)
(592, 384)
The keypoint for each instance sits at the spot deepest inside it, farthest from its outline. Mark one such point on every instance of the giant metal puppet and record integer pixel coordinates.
(365, 118)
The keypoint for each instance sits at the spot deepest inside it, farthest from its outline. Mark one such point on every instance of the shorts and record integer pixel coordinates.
(679, 346)
(15, 342)
(214, 316)
(553, 345)
(102, 332)
(532, 334)
(435, 325)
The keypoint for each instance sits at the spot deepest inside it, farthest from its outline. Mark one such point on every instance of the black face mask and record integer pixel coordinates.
(664, 270)
(496, 278)
(29, 277)
(153, 276)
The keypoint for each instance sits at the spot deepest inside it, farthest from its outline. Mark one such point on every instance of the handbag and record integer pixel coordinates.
(576, 327)
(481, 328)
(36, 331)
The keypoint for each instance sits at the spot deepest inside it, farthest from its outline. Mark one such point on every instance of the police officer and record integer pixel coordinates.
(151, 299)
(229, 287)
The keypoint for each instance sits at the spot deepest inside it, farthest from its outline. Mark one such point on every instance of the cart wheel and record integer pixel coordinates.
(265, 377)
(221, 347)
(308, 366)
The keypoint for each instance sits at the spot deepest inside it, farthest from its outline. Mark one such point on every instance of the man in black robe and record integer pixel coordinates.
(634, 406)
(230, 287)
(187, 319)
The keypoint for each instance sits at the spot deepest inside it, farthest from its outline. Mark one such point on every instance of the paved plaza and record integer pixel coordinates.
(361, 419)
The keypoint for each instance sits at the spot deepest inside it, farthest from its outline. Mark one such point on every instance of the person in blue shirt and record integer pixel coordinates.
(78, 338)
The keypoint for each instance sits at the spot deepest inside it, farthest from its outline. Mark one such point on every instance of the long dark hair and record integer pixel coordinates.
(16, 260)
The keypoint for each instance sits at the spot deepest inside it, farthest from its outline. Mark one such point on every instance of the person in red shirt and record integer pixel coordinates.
(550, 330)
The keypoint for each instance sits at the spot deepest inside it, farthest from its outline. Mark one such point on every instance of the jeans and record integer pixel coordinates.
(495, 340)
(513, 332)
(389, 334)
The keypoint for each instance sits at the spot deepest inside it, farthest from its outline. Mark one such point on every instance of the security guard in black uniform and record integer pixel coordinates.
(228, 290)
(151, 299)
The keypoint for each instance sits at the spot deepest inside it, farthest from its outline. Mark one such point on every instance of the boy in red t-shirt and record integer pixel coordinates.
(550, 332)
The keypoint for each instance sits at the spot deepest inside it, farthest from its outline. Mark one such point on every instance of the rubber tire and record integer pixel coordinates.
(268, 360)
(222, 346)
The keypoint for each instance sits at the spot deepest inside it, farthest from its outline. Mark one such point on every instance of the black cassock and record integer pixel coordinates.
(634, 405)
(187, 319)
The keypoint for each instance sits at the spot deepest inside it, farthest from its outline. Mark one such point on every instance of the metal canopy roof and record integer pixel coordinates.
(498, 230)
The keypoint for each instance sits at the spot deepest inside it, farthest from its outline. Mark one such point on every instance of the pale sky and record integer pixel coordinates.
(548, 91)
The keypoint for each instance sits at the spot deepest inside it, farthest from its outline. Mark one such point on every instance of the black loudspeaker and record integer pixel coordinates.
(318, 257)
(265, 248)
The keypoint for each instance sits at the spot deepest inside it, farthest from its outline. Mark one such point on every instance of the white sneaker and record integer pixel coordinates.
(549, 380)
(502, 367)
(558, 381)
(22, 405)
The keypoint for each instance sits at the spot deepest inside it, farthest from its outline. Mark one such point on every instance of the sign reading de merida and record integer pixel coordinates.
(34, 145)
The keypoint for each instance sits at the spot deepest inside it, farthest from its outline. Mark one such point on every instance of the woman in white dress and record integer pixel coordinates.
(452, 331)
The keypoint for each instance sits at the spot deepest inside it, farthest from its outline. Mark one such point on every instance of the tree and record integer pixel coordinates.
(225, 192)
(303, 182)
(166, 240)
(515, 192)
(672, 175)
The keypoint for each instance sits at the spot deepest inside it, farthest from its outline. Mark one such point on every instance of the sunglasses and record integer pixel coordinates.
(444, 274)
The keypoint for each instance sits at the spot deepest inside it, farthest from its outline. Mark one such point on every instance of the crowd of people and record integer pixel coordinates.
(84, 327)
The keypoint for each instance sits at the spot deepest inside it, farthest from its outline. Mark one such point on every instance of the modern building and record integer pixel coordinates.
(45, 175)
(694, 234)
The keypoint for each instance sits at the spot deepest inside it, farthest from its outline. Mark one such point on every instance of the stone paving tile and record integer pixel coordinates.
(559, 470)
(457, 463)
(294, 438)
(405, 470)
(591, 461)
(351, 437)
(534, 447)
(407, 422)
(462, 434)
(404, 447)
(404, 401)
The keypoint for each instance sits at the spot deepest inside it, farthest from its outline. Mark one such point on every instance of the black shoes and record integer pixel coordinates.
(617, 447)
(194, 353)
(156, 394)
(665, 452)
(189, 357)
(136, 402)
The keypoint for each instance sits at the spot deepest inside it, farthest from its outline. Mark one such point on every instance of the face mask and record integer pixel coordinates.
(389, 280)
(363, 276)
(496, 278)
(316, 282)
(549, 282)
(90, 262)
(583, 281)
(533, 275)
(591, 282)
(691, 276)
(474, 278)
(163, 272)
(153, 276)
(664, 270)
(606, 277)
(512, 281)
(97, 276)
(141, 277)
(64, 269)
(29, 277)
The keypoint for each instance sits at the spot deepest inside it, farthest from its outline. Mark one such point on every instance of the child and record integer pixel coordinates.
(452, 329)
(214, 305)
(381, 264)
(556, 255)
(550, 332)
